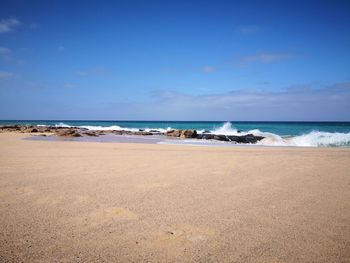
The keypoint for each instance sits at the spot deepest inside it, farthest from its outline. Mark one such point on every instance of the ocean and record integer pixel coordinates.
(313, 134)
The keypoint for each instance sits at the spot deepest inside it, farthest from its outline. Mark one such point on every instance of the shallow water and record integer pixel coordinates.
(313, 134)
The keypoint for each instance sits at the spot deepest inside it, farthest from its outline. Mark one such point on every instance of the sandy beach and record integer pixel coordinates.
(112, 202)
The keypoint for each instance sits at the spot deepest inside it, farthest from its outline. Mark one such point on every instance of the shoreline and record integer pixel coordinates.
(161, 140)
(180, 137)
(76, 132)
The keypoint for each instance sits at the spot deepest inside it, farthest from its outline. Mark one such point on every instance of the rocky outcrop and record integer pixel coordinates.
(249, 138)
(91, 133)
(78, 132)
(173, 133)
(144, 133)
(68, 133)
(182, 133)
(188, 134)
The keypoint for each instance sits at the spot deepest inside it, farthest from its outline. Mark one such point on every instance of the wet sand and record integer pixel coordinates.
(110, 202)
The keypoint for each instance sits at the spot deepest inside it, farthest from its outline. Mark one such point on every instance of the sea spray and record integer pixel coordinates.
(312, 139)
(310, 134)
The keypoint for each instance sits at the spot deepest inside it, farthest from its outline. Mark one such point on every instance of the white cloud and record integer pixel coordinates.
(5, 74)
(8, 25)
(4, 51)
(265, 58)
(208, 69)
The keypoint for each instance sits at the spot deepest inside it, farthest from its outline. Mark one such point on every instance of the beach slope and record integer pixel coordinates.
(111, 202)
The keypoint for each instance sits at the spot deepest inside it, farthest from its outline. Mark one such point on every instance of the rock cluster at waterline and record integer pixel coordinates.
(79, 132)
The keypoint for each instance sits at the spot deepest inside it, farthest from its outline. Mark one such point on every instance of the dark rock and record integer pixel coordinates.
(182, 133)
(10, 128)
(188, 134)
(173, 133)
(102, 132)
(143, 133)
(117, 132)
(199, 136)
(249, 138)
(33, 130)
(221, 138)
(91, 133)
(205, 136)
(122, 132)
(69, 133)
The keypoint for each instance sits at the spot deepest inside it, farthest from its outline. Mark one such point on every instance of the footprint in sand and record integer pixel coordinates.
(182, 234)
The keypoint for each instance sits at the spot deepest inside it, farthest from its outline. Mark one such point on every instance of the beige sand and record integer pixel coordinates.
(110, 202)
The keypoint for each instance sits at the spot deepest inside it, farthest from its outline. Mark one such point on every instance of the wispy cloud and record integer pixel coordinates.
(24, 49)
(265, 58)
(61, 48)
(4, 51)
(13, 60)
(81, 73)
(9, 24)
(6, 56)
(208, 69)
(248, 29)
(5, 74)
(70, 85)
(295, 103)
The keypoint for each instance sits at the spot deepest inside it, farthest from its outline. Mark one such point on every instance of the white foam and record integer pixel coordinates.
(63, 125)
(318, 138)
(226, 129)
(108, 128)
(113, 128)
(312, 139)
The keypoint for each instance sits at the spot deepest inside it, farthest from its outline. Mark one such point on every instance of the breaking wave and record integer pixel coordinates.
(112, 128)
(312, 139)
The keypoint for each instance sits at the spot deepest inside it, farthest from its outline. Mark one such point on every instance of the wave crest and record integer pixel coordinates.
(312, 139)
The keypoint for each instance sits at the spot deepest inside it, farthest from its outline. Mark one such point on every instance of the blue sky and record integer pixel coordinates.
(175, 60)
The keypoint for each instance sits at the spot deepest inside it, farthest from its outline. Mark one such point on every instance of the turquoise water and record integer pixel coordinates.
(279, 128)
(277, 133)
